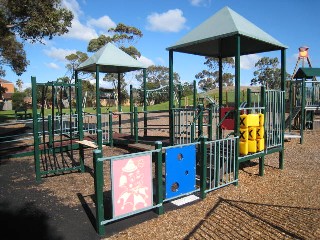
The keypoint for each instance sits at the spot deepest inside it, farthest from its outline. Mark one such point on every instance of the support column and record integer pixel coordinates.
(145, 108)
(98, 110)
(283, 80)
(171, 115)
(237, 103)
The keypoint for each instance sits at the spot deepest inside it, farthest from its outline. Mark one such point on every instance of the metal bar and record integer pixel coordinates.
(98, 186)
(158, 168)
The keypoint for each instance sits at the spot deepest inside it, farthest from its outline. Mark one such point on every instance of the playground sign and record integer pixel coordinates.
(131, 184)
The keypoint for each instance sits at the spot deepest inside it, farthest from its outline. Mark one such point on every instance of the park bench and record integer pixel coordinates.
(21, 113)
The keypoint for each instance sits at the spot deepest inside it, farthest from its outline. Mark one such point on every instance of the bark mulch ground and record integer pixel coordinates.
(283, 204)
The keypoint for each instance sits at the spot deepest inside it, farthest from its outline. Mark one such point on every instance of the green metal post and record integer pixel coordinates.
(303, 109)
(159, 191)
(283, 79)
(237, 103)
(219, 132)
(50, 131)
(98, 109)
(249, 101)
(78, 87)
(179, 95)
(210, 123)
(119, 101)
(203, 167)
(110, 129)
(290, 103)
(131, 110)
(136, 124)
(194, 94)
(35, 129)
(98, 186)
(263, 101)
(200, 121)
(171, 114)
(145, 108)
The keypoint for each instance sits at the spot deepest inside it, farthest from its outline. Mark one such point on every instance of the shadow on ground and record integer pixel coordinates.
(246, 220)
(26, 222)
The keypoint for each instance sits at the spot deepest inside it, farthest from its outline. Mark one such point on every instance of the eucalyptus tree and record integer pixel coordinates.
(32, 21)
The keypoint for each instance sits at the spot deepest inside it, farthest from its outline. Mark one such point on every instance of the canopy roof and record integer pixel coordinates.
(111, 60)
(216, 37)
(307, 73)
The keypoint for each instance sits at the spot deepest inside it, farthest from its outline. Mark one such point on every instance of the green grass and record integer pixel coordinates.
(228, 97)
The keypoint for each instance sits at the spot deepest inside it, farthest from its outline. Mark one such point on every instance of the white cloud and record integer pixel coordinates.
(104, 22)
(59, 53)
(85, 31)
(53, 65)
(73, 6)
(148, 62)
(80, 31)
(200, 2)
(248, 61)
(170, 21)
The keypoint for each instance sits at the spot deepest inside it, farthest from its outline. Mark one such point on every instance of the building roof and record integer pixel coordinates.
(4, 81)
(216, 37)
(111, 60)
(308, 73)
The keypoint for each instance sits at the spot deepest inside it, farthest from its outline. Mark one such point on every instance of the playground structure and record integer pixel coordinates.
(200, 156)
(304, 101)
(200, 149)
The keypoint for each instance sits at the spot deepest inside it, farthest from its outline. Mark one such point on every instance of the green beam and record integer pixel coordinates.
(237, 102)
(35, 129)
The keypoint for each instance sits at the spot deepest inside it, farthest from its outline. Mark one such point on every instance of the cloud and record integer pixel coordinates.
(59, 53)
(146, 61)
(198, 3)
(170, 21)
(104, 22)
(53, 65)
(85, 31)
(248, 61)
(73, 6)
(80, 31)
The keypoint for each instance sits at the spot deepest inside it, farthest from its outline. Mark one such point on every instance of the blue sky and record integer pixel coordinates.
(294, 23)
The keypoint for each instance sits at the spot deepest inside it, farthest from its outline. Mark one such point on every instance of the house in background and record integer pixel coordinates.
(6, 98)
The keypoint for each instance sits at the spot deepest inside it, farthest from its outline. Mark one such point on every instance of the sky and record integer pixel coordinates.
(294, 23)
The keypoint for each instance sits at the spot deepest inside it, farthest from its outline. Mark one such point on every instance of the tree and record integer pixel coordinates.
(209, 78)
(267, 73)
(24, 20)
(123, 36)
(157, 77)
(74, 60)
(3, 90)
(19, 84)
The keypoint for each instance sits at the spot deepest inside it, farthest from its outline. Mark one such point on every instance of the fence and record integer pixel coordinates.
(134, 183)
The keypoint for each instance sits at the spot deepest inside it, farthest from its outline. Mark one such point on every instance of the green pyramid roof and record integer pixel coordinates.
(111, 60)
(307, 73)
(216, 37)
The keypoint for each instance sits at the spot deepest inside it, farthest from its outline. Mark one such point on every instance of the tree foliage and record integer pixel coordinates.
(25, 20)
(19, 84)
(3, 90)
(267, 73)
(122, 36)
(209, 78)
(74, 60)
(157, 77)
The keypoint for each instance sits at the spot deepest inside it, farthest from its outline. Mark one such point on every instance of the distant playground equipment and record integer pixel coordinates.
(304, 97)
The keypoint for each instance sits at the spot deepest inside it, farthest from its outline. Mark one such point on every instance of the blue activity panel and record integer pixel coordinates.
(180, 170)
